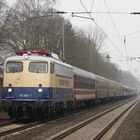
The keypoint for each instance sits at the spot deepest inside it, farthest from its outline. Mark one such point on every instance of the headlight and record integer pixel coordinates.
(26, 57)
(40, 90)
(9, 89)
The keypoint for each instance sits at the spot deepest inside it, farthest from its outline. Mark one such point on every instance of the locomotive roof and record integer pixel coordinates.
(37, 58)
(83, 73)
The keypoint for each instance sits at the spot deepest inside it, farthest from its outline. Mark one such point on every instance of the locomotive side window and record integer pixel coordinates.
(38, 67)
(12, 67)
(63, 70)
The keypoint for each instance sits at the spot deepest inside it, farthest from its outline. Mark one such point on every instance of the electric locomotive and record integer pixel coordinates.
(36, 84)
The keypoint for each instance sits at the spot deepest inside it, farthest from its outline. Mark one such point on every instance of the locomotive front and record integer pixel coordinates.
(26, 86)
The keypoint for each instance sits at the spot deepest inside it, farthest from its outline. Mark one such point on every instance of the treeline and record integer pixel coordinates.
(35, 24)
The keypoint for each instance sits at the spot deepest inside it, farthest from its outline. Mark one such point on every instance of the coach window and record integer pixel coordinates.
(38, 67)
(12, 67)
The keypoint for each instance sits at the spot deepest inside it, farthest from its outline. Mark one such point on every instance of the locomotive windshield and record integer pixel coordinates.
(38, 67)
(12, 67)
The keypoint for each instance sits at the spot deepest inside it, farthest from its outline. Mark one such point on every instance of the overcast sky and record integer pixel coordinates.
(126, 25)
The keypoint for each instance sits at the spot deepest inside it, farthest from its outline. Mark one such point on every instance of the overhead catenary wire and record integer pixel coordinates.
(66, 12)
(100, 12)
(112, 21)
(124, 42)
(74, 12)
(92, 5)
(104, 34)
(129, 34)
(81, 16)
(102, 30)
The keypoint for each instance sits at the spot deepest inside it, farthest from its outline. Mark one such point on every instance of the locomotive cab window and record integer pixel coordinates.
(38, 67)
(12, 67)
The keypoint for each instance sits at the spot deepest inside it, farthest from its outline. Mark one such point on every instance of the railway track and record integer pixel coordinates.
(14, 126)
(95, 127)
(20, 127)
(6, 122)
(4, 118)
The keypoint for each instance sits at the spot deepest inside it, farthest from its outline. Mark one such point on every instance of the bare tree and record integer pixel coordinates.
(33, 25)
(99, 39)
(4, 16)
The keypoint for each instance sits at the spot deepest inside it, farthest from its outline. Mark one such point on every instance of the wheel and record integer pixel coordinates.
(46, 112)
(30, 113)
(10, 112)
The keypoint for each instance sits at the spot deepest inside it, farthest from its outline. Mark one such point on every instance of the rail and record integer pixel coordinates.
(71, 130)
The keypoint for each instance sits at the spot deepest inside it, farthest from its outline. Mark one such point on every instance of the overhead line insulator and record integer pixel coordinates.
(135, 13)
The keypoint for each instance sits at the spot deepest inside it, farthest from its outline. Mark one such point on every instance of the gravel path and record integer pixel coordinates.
(130, 128)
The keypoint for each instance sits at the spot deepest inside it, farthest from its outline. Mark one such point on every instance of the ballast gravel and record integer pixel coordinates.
(45, 131)
(130, 127)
